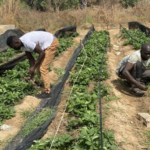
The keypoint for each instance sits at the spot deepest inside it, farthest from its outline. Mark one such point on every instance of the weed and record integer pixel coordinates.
(36, 121)
(26, 113)
(59, 71)
(110, 98)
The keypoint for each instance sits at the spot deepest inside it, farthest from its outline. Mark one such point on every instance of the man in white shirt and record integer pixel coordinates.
(43, 43)
(135, 68)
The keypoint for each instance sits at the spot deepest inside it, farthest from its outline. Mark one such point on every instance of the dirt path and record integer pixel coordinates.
(123, 120)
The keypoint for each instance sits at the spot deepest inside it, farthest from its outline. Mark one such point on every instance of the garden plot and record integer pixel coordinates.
(79, 128)
(14, 74)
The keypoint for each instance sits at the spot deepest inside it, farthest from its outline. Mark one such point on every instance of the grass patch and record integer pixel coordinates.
(147, 144)
(26, 113)
(38, 120)
(59, 71)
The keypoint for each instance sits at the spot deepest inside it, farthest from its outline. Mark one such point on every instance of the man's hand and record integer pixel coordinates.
(142, 87)
(31, 71)
(127, 75)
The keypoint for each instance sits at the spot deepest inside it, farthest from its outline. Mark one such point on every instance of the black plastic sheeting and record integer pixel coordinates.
(11, 32)
(19, 143)
(5, 35)
(65, 30)
(10, 64)
(137, 25)
(15, 32)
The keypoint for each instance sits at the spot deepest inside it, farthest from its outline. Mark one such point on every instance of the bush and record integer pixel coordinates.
(127, 3)
(55, 4)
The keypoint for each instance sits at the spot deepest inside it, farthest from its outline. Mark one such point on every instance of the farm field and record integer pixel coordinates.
(119, 108)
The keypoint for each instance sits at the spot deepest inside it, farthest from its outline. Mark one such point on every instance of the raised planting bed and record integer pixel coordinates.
(134, 38)
(137, 25)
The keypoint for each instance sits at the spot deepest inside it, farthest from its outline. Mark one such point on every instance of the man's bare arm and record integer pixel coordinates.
(126, 73)
(31, 59)
(33, 63)
(41, 56)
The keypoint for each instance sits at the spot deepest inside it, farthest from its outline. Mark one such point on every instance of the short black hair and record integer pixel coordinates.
(10, 40)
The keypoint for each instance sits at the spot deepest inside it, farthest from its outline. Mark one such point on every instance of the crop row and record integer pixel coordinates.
(8, 55)
(14, 87)
(82, 105)
(134, 38)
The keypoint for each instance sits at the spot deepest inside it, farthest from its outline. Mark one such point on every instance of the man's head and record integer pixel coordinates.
(14, 42)
(145, 51)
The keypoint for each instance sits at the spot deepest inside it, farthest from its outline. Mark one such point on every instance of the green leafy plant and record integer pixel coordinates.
(138, 38)
(61, 143)
(6, 112)
(8, 55)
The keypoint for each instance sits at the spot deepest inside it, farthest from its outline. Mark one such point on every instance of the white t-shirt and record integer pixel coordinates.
(133, 58)
(41, 38)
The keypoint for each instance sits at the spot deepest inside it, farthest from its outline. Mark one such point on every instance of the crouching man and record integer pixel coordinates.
(135, 69)
(43, 43)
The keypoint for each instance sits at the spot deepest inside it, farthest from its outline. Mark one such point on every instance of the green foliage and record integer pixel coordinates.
(61, 143)
(80, 103)
(64, 4)
(147, 144)
(36, 121)
(6, 112)
(94, 46)
(38, 4)
(64, 43)
(138, 38)
(127, 3)
(89, 118)
(6, 56)
(12, 86)
(90, 139)
(61, 4)
(26, 113)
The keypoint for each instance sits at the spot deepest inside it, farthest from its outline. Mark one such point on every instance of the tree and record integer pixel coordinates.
(38, 4)
(83, 4)
(127, 3)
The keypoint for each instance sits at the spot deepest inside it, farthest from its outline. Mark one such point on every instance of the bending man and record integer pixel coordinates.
(135, 69)
(43, 43)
